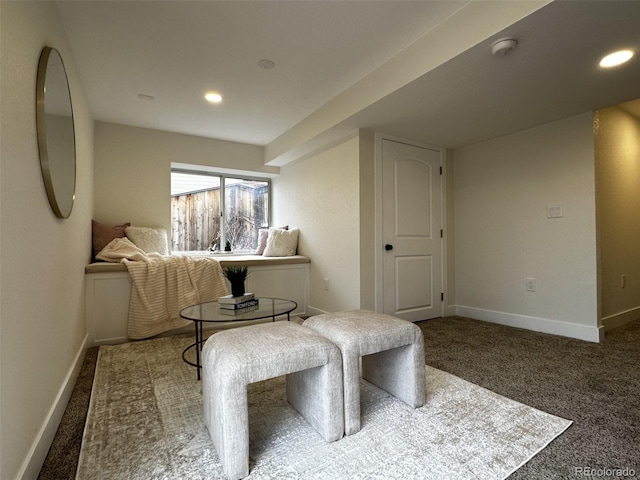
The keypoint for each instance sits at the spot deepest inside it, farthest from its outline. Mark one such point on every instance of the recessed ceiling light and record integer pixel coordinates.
(266, 64)
(213, 97)
(616, 58)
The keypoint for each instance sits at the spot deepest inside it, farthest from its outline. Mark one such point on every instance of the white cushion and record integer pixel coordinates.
(263, 234)
(149, 239)
(281, 243)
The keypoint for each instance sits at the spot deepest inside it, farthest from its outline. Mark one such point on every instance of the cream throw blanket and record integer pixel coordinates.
(163, 285)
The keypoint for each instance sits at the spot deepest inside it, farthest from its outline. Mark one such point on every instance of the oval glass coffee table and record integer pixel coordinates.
(210, 312)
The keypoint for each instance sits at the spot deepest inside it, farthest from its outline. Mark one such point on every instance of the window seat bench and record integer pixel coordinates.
(108, 290)
(225, 260)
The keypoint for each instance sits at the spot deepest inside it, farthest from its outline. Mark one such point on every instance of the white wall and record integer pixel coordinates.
(502, 234)
(320, 195)
(367, 220)
(617, 146)
(133, 165)
(42, 257)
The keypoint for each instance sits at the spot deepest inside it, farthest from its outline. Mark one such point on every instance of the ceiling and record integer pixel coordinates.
(552, 74)
(175, 51)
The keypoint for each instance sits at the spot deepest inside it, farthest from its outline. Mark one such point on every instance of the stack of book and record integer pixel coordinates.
(243, 303)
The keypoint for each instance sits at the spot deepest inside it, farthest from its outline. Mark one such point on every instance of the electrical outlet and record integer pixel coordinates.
(326, 284)
(530, 284)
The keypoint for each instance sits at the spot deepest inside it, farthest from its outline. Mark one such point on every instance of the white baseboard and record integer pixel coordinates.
(545, 325)
(448, 310)
(109, 341)
(314, 311)
(622, 318)
(38, 453)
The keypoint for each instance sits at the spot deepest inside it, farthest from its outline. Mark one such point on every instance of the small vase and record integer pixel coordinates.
(237, 289)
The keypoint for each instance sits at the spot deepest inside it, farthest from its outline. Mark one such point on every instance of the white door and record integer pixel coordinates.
(411, 231)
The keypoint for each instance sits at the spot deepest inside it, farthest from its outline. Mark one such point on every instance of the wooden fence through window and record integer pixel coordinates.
(195, 217)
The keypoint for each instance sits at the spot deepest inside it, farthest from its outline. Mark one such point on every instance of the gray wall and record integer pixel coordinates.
(617, 144)
(43, 330)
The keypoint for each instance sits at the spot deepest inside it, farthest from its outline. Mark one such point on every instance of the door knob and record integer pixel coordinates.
(388, 247)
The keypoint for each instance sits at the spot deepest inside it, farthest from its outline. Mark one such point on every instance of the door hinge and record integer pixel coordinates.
(440, 170)
(441, 233)
(442, 296)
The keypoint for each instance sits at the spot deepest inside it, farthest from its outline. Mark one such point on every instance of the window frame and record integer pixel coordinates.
(223, 179)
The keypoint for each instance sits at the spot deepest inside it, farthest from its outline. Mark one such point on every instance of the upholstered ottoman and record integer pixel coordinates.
(392, 352)
(232, 359)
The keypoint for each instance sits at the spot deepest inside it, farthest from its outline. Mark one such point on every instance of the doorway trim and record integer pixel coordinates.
(378, 237)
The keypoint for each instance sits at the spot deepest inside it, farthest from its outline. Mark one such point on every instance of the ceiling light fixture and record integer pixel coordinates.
(266, 64)
(616, 58)
(213, 97)
(503, 46)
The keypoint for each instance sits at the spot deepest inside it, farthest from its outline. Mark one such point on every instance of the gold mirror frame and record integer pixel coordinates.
(56, 132)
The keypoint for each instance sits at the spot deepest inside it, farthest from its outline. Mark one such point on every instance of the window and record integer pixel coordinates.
(199, 200)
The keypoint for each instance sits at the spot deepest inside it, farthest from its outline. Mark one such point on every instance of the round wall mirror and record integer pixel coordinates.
(56, 134)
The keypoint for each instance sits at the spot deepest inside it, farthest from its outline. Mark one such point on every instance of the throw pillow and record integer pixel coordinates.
(281, 243)
(263, 234)
(149, 239)
(102, 234)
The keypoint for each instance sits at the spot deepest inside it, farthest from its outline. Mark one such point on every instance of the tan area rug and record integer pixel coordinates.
(145, 422)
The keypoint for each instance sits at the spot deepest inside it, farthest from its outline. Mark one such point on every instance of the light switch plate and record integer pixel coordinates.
(554, 210)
